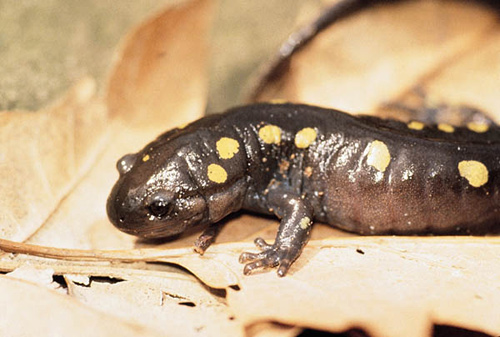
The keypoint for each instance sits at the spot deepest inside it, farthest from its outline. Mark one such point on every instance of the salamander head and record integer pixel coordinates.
(155, 195)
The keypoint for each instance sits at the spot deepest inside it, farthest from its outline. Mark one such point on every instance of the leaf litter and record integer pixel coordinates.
(386, 286)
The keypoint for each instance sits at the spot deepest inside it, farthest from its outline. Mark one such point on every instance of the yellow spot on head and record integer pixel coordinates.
(270, 134)
(474, 171)
(216, 173)
(305, 137)
(227, 147)
(415, 125)
(378, 155)
(305, 222)
(478, 127)
(145, 158)
(446, 127)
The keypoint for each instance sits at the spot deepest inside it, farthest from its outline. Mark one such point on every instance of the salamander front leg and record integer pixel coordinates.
(206, 238)
(293, 234)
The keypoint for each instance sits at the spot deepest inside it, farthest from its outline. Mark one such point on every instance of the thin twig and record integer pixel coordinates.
(128, 255)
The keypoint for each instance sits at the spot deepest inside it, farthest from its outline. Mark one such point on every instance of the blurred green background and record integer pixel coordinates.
(46, 46)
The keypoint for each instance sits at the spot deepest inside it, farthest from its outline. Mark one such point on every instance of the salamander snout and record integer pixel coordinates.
(125, 211)
(153, 209)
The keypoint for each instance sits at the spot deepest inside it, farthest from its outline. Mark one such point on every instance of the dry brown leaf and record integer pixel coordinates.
(161, 70)
(386, 286)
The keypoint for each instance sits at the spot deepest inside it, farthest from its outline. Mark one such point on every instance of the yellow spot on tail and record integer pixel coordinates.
(446, 127)
(270, 134)
(378, 155)
(478, 127)
(474, 171)
(305, 222)
(216, 173)
(415, 125)
(145, 158)
(227, 147)
(305, 137)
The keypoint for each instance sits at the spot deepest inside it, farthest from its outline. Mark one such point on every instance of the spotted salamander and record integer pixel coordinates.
(303, 163)
(362, 174)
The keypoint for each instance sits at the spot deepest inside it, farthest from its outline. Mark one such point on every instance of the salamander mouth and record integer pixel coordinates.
(157, 229)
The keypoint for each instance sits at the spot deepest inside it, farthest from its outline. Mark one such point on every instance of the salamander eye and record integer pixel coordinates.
(160, 206)
(125, 163)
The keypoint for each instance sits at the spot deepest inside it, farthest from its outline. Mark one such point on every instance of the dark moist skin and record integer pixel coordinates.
(303, 163)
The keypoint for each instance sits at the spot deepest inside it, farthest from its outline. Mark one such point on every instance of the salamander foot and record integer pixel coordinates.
(270, 257)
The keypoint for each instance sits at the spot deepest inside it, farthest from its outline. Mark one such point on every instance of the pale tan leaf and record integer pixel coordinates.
(176, 303)
(42, 156)
(396, 287)
(33, 274)
(473, 79)
(30, 310)
(374, 57)
(344, 283)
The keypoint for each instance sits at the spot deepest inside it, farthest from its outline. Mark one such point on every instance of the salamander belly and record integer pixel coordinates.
(386, 187)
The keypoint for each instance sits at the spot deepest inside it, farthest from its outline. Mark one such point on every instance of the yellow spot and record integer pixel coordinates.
(446, 128)
(378, 155)
(305, 222)
(278, 101)
(415, 125)
(270, 134)
(305, 137)
(216, 173)
(227, 147)
(474, 171)
(145, 158)
(478, 127)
